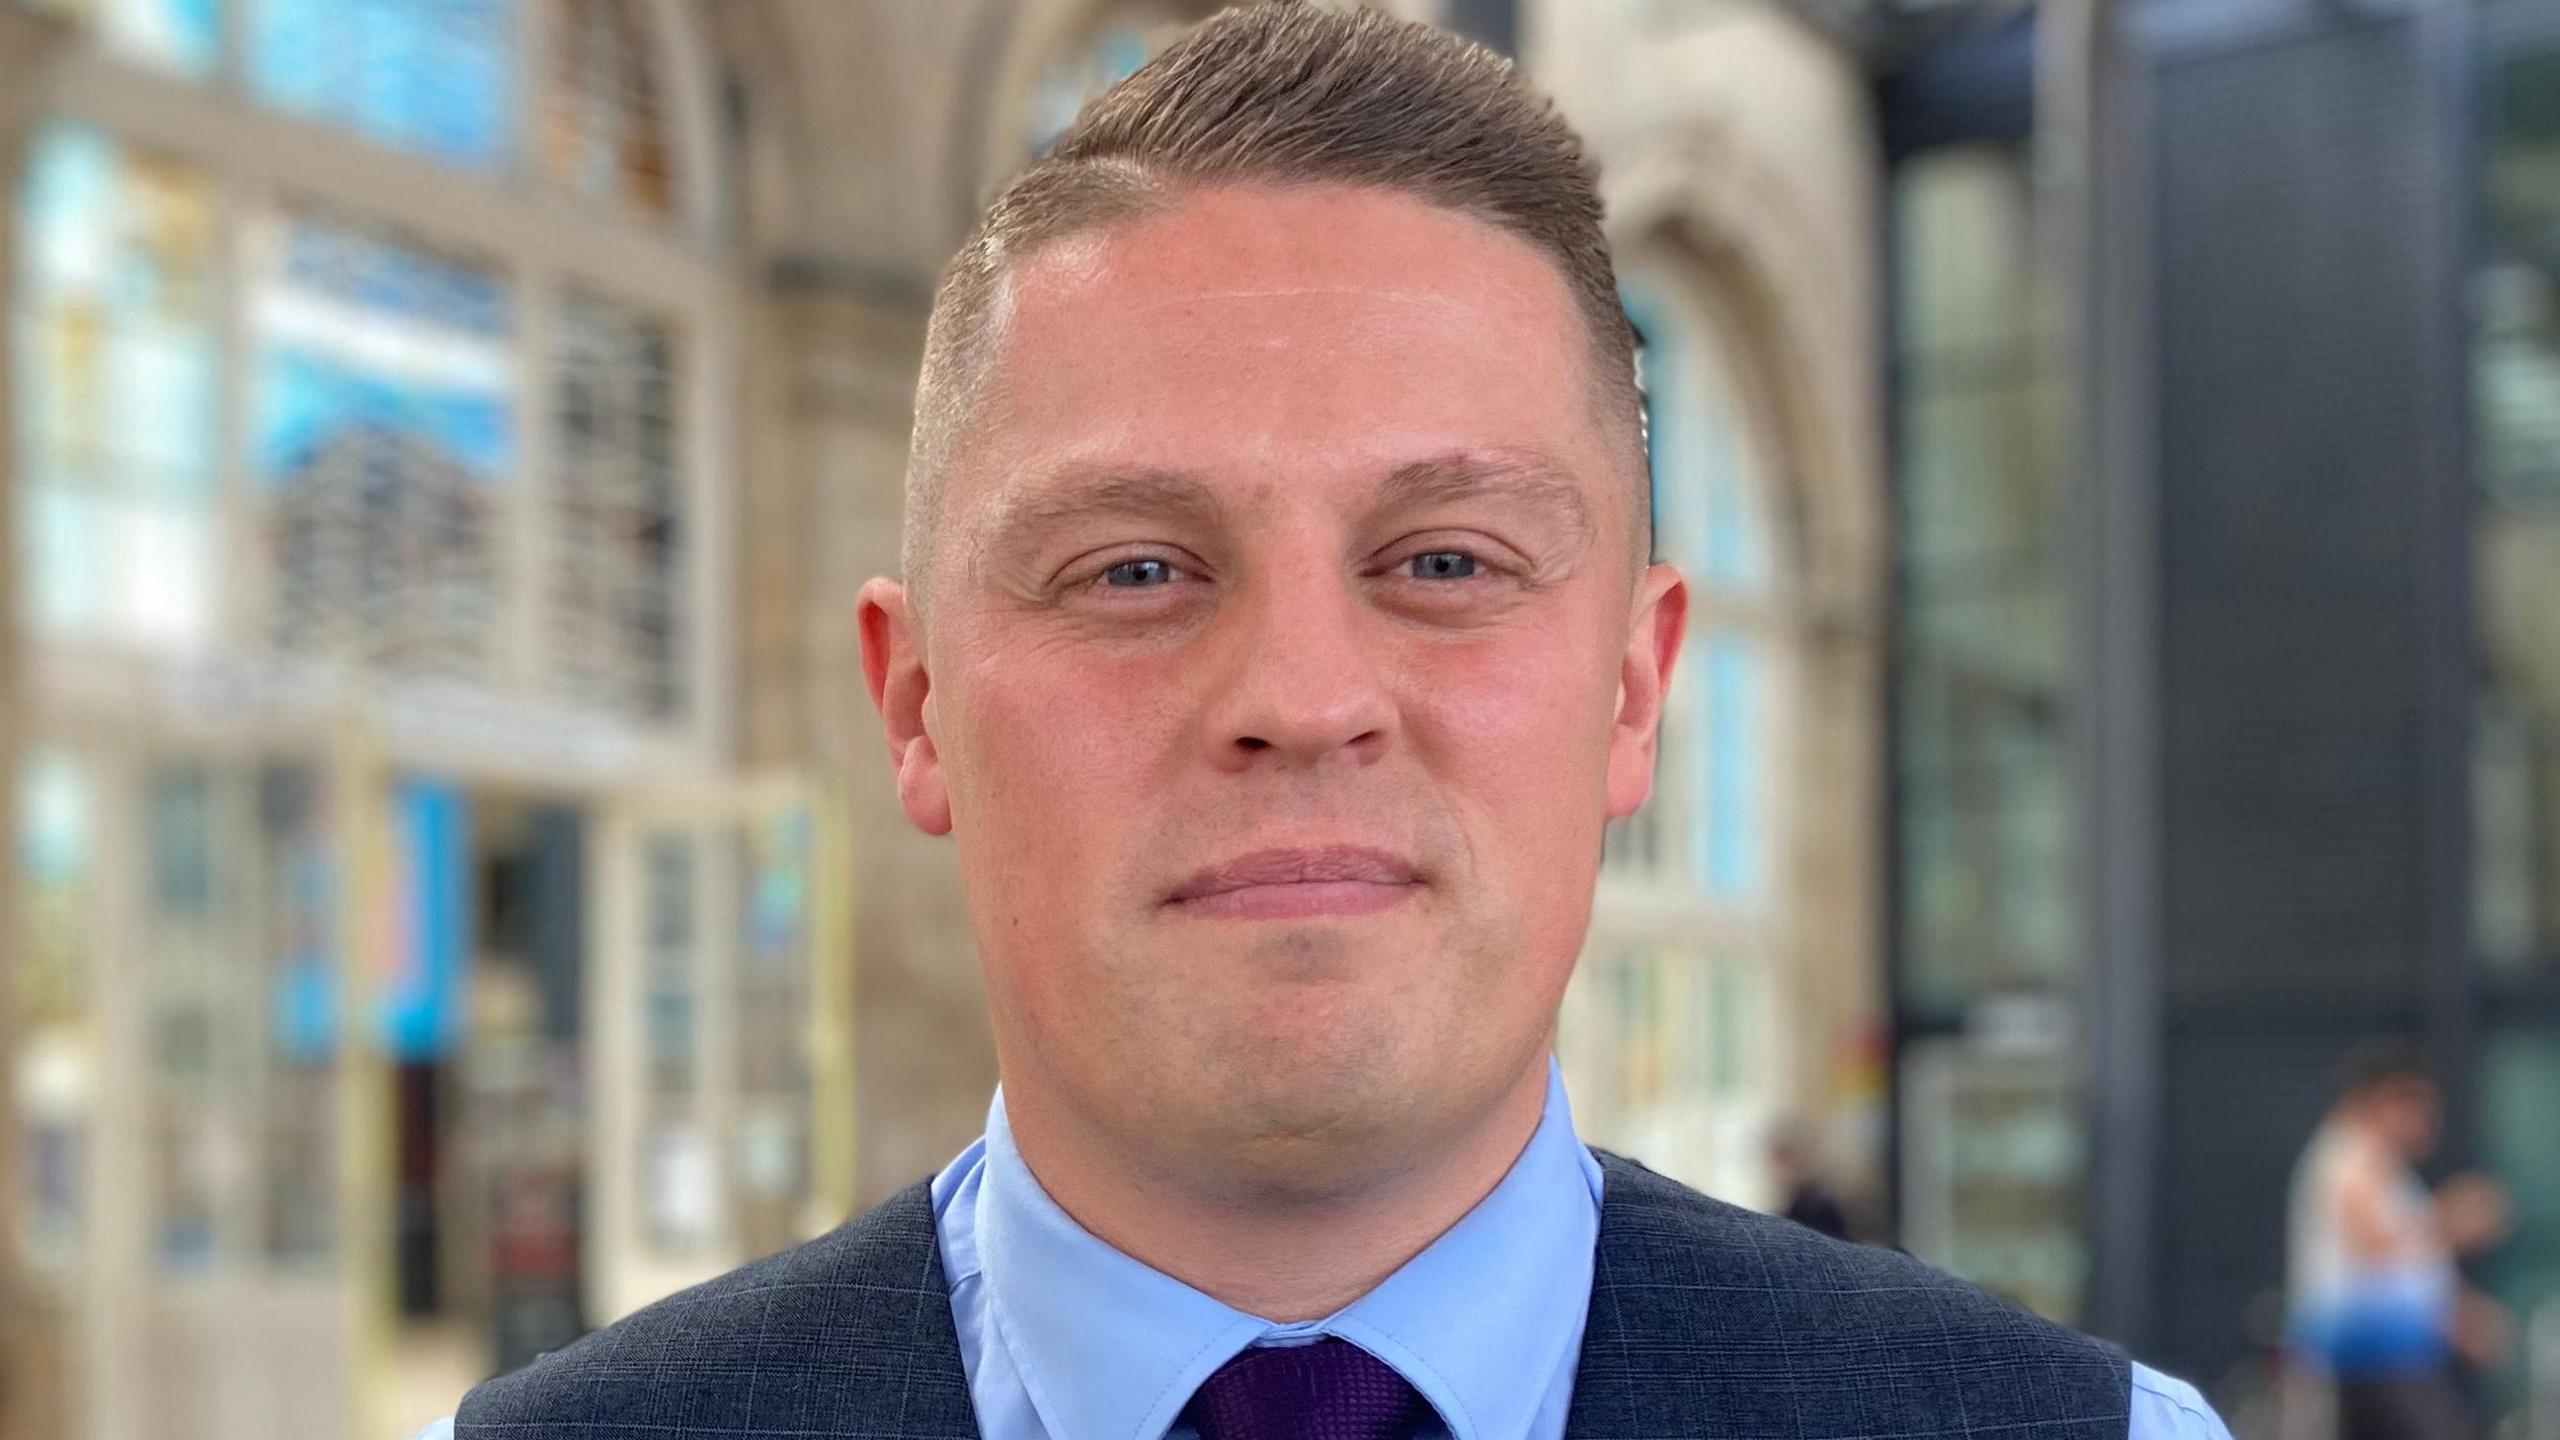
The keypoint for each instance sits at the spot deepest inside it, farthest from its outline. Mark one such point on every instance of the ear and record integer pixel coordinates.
(1660, 619)
(893, 665)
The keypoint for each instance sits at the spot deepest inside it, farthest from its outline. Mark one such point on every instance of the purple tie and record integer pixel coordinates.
(1330, 1390)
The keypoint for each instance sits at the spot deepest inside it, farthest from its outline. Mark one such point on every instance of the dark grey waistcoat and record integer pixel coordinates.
(1705, 1321)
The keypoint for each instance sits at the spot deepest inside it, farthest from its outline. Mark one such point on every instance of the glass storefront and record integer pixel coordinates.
(1988, 949)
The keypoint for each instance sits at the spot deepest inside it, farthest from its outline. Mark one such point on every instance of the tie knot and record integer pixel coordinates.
(1330, 1390)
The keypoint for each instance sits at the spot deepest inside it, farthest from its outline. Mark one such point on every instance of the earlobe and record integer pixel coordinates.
(920, 789)
(893, 668)
(1654, 635)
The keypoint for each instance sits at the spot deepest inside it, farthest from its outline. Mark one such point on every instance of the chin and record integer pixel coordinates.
(1308, 1166)
(1313, 1124)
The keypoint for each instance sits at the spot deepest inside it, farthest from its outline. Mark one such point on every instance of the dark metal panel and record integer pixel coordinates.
(2294, 320)
(2311, 580)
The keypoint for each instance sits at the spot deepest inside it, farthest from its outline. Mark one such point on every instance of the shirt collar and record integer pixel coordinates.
(1479, 1322)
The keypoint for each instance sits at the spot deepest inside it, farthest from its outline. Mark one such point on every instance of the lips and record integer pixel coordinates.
(1299, 885)
(1299, 867)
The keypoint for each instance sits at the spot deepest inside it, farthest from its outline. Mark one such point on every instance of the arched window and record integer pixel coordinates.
(1667, 1031)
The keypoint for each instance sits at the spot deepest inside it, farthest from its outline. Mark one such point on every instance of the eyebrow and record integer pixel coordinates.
(1081, 494)
(1518, 475)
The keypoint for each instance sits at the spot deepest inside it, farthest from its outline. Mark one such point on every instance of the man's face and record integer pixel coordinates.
(1287, 652)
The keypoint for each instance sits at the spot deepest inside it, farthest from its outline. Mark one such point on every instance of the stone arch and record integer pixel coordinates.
(1797, 298)
(1697, 207)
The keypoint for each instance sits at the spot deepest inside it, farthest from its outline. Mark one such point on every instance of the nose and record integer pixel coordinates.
(1301, 682)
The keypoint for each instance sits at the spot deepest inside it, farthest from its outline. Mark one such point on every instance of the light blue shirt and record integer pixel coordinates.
(1065, 1338)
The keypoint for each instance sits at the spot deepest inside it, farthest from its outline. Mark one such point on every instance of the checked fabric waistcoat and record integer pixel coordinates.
(1705, 1320)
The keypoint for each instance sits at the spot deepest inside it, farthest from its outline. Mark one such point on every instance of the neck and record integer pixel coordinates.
(1284, 1256)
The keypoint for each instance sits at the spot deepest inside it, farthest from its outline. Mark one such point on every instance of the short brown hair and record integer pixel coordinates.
(1287, 93)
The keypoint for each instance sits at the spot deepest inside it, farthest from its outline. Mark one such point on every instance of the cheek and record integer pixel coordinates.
(1054, 758)
(1520, 728)
(1517, 736)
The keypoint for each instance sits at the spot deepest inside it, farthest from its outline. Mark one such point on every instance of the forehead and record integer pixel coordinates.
(1254, 331)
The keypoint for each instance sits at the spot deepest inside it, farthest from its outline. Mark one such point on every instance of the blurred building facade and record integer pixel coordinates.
(2221, 409)
(2114, 446)
(417, 958)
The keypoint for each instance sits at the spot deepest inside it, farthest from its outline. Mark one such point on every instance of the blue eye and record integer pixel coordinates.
(1137, 574)
(1443, 565)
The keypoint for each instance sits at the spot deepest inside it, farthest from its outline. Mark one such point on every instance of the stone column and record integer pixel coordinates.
(32, 1346)
(831, 368)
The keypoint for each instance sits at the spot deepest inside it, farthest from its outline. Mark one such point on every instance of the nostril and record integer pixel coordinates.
(1253, 742)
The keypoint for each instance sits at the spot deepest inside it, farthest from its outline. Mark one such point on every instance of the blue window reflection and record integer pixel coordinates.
(437, 77)
(1708, 520)
(384, 427)
(1728, 812)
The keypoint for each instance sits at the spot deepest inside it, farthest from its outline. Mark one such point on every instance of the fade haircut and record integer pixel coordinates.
(1285, 93)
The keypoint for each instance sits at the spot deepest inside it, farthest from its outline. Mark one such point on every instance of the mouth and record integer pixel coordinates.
(1298, 884)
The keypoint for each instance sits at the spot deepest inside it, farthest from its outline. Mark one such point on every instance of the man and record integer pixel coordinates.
(1276, 640)
(2376, 1305)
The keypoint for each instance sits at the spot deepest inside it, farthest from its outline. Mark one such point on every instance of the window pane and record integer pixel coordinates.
(1966, 277)
(1730, 846)
(1981, 451)
(56, 855)
(1994, 1147)
(180, 35)
(617, 583)
(1982, 833)
(118, 401)
(2516, 389)
(1985, 834)
(606, 137)
(774, 1081)
(384, 436)
(1706, 826)
(679, 1178)
(296, 894)
(1709, 512)
(195, 1142)
(437, 77)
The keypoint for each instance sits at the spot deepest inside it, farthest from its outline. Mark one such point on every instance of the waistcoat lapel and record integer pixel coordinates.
(848, 1336)
(1707, 1320)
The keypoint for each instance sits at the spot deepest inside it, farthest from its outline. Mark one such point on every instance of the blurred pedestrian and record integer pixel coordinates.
(2375, 1301)
(1809, 1200)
